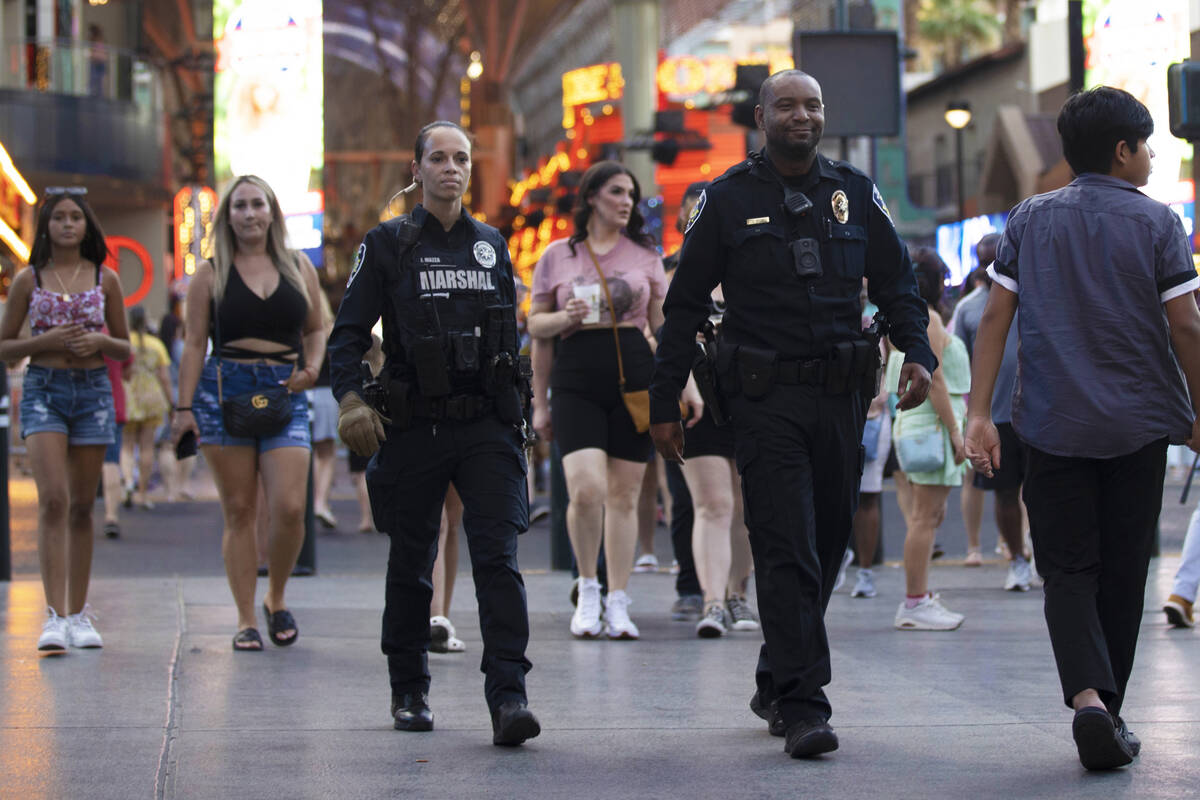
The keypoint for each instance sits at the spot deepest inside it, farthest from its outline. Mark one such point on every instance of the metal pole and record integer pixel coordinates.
(5, 543)
(958, 166)
(306, 562)
(1075, 52)
(561, 556)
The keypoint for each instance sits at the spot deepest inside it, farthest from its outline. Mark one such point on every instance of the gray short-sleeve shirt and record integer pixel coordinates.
(1092, 265)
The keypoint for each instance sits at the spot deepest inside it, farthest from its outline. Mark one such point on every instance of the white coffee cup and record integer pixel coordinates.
(589, 293)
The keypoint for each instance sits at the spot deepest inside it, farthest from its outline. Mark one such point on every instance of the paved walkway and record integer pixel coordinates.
(167, 710)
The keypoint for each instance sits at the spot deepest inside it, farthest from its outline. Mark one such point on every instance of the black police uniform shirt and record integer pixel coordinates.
(738, 236)
(445, 281)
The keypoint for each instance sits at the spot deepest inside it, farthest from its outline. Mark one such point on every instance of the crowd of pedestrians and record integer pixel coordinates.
(102, 393)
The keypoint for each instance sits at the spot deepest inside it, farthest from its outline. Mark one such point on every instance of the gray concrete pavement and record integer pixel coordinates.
(167, 710)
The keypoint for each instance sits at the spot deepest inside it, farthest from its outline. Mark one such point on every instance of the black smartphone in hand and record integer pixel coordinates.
(186, 446)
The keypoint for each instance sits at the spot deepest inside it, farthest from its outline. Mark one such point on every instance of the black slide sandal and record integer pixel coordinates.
(247, 639)
(279, 621)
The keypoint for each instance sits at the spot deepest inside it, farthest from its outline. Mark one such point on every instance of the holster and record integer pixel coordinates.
(756, 371)
(854, 366)
(500, 383)
(704, 369)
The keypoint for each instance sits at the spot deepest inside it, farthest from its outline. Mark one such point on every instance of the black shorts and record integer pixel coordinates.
(586, 409)
(706, 439)
(1014, 454)
(357, 463)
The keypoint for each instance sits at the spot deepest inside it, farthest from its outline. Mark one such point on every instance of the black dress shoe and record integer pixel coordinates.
(1096, 738)
(1131, 739)
(770, 713)
(810, 737)
(411, 712)
(513, 723)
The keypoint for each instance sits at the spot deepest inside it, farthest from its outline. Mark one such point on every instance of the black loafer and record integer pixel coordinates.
(1096, 738)
(411, 712)
(770, 713)
(513, 723)
(809, 738)
(1131, 739)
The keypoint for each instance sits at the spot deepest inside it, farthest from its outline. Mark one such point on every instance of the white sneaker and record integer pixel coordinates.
(54, 634)
(80, 630)
(927, 615)
(740, 613)
(1019, 576)
(616, 615)
(442, 636)
(646, 563)
(864, 586)
(841, 578)
(712, 624)
(585, 622)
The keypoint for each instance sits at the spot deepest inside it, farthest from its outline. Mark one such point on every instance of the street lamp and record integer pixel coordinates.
(475, 68)
(958, 116)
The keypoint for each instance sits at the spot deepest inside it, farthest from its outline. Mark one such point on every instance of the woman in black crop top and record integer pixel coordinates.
(271, 331)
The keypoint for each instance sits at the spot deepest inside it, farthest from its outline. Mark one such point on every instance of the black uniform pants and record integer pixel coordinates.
(407, 481)
(1093, 522)
(799, 452)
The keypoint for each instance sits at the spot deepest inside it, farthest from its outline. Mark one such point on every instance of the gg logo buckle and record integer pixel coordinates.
(259, 401)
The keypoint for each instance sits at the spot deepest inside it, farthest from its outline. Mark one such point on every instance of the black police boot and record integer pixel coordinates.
(513, 723)
(810, 737)
(770, 713)
(411, 712)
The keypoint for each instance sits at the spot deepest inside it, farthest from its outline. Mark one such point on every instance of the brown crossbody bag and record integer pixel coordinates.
(637, 401)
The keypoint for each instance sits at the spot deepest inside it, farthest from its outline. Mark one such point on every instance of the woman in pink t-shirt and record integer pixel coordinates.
(604, 457)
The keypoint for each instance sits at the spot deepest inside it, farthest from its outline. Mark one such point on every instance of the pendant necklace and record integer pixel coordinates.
(65, 294)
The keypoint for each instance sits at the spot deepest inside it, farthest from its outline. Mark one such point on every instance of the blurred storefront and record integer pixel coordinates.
(80, 106)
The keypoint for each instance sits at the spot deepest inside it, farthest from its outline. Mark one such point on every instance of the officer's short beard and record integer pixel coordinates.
(794, 152)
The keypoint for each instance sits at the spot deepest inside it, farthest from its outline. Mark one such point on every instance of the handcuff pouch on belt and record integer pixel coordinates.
(756, 371)
(704, 369)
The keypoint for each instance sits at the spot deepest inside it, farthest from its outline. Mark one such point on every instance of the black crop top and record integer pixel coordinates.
(279, 318)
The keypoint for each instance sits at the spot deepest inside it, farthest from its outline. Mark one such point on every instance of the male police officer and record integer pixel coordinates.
(789, 235)
(443, 283)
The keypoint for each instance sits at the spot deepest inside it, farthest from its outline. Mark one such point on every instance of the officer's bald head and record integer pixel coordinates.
(766, 92)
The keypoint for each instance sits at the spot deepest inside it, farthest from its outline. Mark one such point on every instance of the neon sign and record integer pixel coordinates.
(599, 83)
(269, 100)
(195, 207)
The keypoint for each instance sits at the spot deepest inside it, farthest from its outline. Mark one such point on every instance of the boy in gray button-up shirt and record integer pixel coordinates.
(1104, 279)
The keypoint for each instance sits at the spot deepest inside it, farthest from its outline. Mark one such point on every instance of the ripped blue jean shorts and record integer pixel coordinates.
(77, 402)
(238, 378)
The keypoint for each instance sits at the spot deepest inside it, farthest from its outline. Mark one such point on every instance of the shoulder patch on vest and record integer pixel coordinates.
(696, 211)
(878, 200)
(359, 258)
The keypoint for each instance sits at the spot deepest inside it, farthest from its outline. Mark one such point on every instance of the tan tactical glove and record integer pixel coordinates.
(359, 425)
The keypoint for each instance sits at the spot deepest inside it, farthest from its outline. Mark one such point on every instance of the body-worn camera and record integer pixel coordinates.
(806, 257)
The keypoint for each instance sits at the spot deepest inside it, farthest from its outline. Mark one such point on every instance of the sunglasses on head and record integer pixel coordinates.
(71, 190)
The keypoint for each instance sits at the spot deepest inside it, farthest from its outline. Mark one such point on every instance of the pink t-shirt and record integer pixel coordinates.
(634, 274)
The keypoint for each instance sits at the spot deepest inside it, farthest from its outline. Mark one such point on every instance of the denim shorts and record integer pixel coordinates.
(239, 378)
(77, 402)
(113, 454)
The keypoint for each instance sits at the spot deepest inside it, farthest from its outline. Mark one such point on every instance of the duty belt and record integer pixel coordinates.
(812, 371)
(454, 407)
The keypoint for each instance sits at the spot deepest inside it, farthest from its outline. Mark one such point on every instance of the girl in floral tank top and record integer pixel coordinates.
(66, 406)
